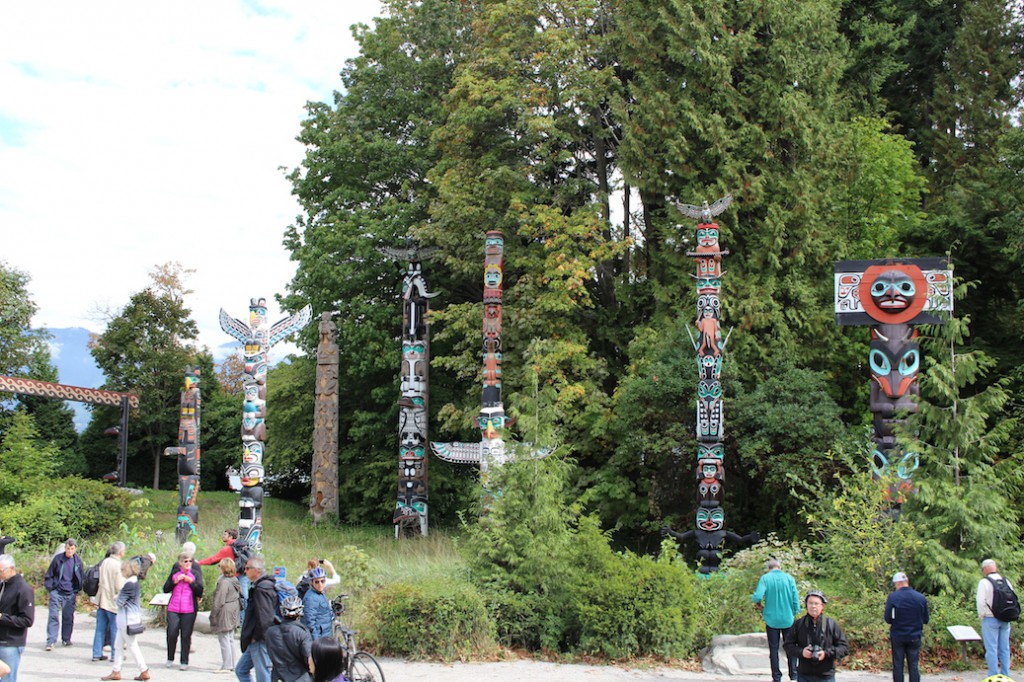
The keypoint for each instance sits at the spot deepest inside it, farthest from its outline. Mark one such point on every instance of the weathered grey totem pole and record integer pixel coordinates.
(188, 455)
(891, 296)
(490, 451)
(709, 528)
(410, 517)
(323, 496)
(258, 340)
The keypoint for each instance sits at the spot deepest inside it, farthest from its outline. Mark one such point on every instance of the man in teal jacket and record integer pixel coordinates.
(779, 602)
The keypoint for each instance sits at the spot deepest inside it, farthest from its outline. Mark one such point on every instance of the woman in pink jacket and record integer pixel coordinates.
(185, 583)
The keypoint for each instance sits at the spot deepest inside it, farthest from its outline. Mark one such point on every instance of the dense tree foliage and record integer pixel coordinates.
(844, 130)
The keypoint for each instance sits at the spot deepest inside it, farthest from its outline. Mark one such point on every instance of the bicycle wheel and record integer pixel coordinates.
(365, 668)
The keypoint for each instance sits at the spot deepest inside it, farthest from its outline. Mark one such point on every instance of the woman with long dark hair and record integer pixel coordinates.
(329, 660)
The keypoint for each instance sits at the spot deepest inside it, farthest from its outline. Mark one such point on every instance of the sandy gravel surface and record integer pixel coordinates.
(75, 663)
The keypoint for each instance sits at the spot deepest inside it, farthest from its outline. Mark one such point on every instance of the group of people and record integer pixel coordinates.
(292, 638)
(814, 643)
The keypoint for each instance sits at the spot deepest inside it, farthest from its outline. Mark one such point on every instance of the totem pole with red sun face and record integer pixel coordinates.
(891, 296)
(709, 526)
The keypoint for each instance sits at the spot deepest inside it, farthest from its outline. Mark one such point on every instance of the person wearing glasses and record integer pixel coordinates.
(317, 613)
(185, 583)
(259, 616)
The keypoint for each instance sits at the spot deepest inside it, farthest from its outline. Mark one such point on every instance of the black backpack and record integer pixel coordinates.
(91, 580)
(242, 554)
(1005, 605)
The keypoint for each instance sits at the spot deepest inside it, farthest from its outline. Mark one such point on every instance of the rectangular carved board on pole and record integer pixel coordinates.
(892, 291)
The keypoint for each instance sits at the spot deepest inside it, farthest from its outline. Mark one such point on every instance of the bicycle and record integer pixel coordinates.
(361, 666)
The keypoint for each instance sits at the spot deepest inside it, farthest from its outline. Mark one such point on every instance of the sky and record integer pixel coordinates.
(139, 133)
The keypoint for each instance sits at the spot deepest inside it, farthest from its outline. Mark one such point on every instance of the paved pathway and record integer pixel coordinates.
(75, 663)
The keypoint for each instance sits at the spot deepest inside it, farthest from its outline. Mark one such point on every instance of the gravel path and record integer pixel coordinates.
(75, 663)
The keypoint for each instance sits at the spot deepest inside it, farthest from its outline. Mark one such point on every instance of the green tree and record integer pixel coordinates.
(967, 480)
(18, 340)
(25, 460)
(54, 420)
(143, 351)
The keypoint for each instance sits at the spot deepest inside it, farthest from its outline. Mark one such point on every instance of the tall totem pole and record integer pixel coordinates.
(890, 296)
(188, 455)
(709, 527)
(410, 516)
(258, 340)
(490, 451)
(323, 495)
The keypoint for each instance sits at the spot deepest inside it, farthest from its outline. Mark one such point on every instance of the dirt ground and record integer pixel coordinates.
(75, 663)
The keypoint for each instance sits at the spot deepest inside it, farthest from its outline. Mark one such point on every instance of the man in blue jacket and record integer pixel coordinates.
(906, 612)
(779, 601)
(63, 581)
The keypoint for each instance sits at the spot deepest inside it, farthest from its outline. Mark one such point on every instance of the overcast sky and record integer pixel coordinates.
(137, 133)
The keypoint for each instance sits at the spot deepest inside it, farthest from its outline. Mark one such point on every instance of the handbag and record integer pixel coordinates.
(135, 628)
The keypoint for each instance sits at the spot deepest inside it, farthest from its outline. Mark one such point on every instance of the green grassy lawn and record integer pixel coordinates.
(364, 556)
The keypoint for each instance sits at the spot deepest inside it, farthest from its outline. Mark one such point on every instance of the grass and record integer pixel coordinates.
(364, 556)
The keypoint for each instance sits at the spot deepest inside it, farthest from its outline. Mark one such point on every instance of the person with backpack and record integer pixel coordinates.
(228, 537)
(290, 644)
(110, 582)
(906, 612)
(997, 608)
(817, 641)
(258, 619)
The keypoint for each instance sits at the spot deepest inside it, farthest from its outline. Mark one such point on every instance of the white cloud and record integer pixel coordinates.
(133, 134)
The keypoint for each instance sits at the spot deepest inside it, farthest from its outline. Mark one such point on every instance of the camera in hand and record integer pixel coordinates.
(815, 650)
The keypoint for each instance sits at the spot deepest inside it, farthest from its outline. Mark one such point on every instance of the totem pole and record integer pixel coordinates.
(709, 529)
(323, 496)
(890, 296)
(188, 455)
(490, 451)
(410, 516)
(258, 340)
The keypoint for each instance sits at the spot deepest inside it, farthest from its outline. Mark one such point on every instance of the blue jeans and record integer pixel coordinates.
(774, 636)
(996, 635)
(244, 583)
(11, 655)
(106, 624)
(62, 613)
(909, 649)
(255, 656)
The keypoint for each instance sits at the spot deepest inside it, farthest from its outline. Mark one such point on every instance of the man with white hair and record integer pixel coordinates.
(780, 607)
(994, 632)
(17, 613)
(111, 582)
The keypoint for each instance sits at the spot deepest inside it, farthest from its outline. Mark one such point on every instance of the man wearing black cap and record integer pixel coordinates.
(906, 612)
(817, 641)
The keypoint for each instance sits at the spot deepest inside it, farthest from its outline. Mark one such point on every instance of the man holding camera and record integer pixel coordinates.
(817, 641)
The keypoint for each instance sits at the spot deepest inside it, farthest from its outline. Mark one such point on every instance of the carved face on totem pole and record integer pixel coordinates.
(707, 238)
(893, 294)
(257, 312)
(709, 410)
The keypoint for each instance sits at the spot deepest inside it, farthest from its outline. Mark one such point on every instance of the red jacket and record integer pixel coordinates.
(225, 553)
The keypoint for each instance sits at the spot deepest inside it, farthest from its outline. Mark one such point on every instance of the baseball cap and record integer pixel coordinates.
(900, 577)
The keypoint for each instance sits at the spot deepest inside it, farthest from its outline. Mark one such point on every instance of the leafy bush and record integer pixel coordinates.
(433, 619)
(68, 507)
(624, 605)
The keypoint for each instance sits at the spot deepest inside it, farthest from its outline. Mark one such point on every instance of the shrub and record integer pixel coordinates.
(626, 605)
(434, 619)
(68, 507)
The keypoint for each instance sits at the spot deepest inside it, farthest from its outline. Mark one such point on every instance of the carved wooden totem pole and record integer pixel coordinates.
(323, 496)
(258, 340)
(188, 455)
(709, 527)
(490, 451)
(890, 296)
(410, 517)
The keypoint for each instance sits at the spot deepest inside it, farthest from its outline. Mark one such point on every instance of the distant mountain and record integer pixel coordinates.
(69, 349)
